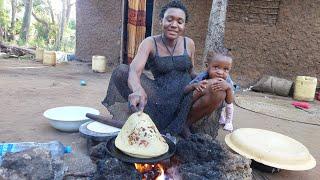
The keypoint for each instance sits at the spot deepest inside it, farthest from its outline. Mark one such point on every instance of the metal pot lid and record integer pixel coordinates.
(97, 135)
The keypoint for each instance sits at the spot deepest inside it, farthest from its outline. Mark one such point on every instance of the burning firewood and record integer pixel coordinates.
(150, 171)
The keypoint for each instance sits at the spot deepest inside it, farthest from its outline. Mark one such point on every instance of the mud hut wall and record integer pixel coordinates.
(285, 46)
(99, 29)
(196, 28)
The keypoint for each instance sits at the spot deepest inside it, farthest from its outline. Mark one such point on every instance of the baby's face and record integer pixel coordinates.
(219, 67)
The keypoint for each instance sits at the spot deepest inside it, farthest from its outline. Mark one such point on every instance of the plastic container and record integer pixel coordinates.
(99, 64)
(305, 88)
(49, 58)
(56, 148)
(39, 54)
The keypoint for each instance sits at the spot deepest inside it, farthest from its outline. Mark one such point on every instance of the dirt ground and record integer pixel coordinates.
(28, 89)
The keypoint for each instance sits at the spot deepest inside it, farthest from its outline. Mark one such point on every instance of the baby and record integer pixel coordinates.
(218, 67)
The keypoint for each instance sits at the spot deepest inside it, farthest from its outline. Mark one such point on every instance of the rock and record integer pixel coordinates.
(200, 148)
(206, 171)
(3, 55)
(38, 163)
(198, 157)
(112, 168)
(10, 174)
(208, 125)
(35, 163)
(79, 166)
(109, 167)
(201, 157)
(99, 152)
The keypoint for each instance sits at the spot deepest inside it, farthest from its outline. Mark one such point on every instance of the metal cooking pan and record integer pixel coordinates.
(115, 152)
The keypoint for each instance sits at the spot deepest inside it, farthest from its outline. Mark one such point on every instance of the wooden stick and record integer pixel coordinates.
(106, 120)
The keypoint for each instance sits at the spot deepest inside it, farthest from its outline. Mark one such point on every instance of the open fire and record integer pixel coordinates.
(151, 171)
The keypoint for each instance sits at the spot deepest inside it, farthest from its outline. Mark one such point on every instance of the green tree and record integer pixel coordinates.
(41, 15)
(72, 24)
(1, 4)
(4, 21)
(26, 21)
(45, 27)
(13, 19)
(49, 29)
(64, 20)
(4, 18)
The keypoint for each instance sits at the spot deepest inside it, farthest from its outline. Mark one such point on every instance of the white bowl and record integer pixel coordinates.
(68, 118)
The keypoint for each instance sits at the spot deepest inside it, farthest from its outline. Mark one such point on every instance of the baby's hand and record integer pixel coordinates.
(220, 85)
(200, 86)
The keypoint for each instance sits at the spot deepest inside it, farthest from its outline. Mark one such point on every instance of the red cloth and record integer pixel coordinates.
(303, 105)
(136, 26)
(318, 96)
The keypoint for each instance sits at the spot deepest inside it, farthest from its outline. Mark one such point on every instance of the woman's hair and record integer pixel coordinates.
(220, 51)
(174, 4)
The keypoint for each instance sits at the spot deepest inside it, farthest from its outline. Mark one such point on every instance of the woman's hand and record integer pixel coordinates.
(137, 100)
(200, 86)
(220, 85)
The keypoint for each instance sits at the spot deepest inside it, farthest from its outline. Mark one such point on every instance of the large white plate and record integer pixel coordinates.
(270, 148)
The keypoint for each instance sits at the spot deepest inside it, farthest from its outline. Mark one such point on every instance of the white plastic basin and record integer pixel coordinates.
(68, 118)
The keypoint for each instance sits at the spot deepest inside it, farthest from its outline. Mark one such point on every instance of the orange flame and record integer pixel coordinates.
(161, 176)
(145, 168)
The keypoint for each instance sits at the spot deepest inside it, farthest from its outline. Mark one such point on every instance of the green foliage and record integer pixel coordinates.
(20, 5)
(20, 42)
(54, 28)
(4, 18)
(1, 4)
(42, 10)
(72, 24)
(69, 41)
(17, 27)
(38, 42)
(39, 34)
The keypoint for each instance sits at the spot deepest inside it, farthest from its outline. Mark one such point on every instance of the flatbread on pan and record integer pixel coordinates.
(139, 137)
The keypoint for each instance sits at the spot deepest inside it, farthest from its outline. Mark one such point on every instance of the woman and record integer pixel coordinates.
(170, 57)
